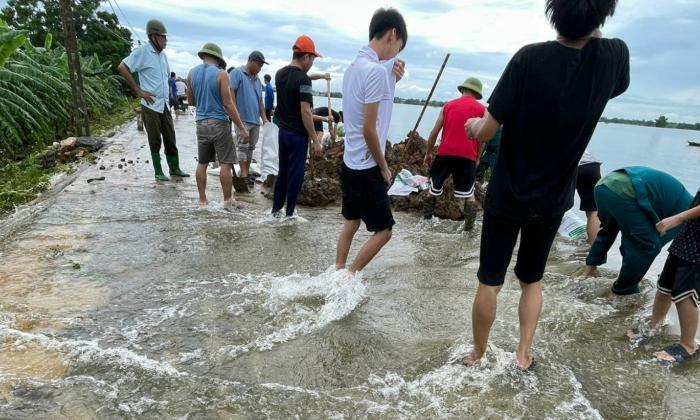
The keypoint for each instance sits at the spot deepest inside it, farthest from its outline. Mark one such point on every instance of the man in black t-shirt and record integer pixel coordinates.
(548, 100)
(294, 105)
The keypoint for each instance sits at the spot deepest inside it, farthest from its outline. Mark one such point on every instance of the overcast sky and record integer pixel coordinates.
(482, 35)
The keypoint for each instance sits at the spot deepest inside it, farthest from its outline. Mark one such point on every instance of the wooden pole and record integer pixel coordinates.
(80, 114)
(430, 95)
(330, 110)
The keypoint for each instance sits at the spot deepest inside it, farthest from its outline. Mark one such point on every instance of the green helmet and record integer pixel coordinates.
(472, 84)
(213, 50)
(155, 27)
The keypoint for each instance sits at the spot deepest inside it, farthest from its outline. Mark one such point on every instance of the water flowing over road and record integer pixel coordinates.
(121, 299)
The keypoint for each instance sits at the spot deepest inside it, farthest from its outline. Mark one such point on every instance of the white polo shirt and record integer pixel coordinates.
(366, 81)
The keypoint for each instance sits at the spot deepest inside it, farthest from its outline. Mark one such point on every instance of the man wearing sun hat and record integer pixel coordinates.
(246, 90)
(457, 153)
(209, 91)
(294, 110)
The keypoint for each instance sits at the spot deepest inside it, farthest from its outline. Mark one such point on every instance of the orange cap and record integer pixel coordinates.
(305, 44)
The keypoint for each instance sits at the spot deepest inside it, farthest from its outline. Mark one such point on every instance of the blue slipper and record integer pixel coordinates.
(679, 353)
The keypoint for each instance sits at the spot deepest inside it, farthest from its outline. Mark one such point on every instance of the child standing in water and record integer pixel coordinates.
(679, 283)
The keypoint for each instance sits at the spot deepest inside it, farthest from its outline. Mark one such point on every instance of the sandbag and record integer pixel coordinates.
(270, 162)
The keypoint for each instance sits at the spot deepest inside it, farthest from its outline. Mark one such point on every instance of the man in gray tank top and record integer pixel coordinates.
(208, 90)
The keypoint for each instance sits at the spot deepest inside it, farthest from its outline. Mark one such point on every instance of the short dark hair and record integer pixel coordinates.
(267, 77)
(385, 20)
(172, 74)
(230, 69)
(299, 55)
(576, 19)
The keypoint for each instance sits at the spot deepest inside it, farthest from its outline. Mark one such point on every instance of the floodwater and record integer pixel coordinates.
(120, 299)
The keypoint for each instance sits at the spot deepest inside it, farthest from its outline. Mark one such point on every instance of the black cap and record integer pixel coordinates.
(257, 56)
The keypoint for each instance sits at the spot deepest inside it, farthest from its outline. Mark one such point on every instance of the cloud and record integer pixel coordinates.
(482, 35)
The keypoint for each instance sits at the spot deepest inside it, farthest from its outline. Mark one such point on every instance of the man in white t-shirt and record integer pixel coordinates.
(368, 88)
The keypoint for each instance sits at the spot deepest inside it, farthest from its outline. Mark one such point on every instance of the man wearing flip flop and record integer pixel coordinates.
(679, 283)
(548, 100)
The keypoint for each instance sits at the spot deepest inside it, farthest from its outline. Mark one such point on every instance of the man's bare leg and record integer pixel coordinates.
(483, 315)
(201, 177)
(226, 180)
(370, 249)
(592, 226)
(245, 167)
(662, 303)
(344, 242)
(529, 311)
(688, 318)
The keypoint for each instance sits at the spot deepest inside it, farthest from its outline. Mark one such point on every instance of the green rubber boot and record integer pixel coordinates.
(469, 215)
(160, 176)
(174, 165)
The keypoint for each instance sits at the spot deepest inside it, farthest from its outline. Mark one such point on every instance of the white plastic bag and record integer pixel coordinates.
(269, 159)
(572, 226)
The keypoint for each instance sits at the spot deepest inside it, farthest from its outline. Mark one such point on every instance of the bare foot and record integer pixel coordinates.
(203, 204)
(472, 359)
(232, 204)
(339, 267)
(524, 361)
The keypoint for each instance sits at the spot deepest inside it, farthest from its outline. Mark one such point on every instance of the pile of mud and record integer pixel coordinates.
(322, 182)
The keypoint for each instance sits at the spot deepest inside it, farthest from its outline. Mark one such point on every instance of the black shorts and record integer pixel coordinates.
(365, 197)
(463, 173)
(268, 114)
(586, 177)
(498, 237)
(680, 279)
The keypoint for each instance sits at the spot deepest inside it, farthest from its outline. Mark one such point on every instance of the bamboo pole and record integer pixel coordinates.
(430, 95)
(330, 110)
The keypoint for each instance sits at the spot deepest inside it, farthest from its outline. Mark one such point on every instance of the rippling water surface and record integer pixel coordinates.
(122, 299)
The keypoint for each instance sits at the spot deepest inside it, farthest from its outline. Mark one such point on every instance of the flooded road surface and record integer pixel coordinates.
(120, 299)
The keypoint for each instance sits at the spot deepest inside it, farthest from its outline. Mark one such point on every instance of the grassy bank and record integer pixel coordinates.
(23, 181)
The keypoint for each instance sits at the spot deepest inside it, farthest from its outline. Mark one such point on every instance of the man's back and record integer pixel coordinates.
(454, 139)
(207, 93)
(549, 100)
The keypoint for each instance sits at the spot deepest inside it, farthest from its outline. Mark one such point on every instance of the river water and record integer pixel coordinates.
(120, 299)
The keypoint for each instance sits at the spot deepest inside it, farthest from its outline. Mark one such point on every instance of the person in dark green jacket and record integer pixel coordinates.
(633, 200)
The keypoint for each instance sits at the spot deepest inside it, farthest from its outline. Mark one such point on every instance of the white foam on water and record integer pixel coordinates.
(339, 291)
(190, 356)
(141, 406)
(268, 219)
(578, 406)
(432, 388)
(90, 352)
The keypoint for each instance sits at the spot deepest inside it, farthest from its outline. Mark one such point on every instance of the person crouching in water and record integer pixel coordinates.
(208, 90)
(457, 153)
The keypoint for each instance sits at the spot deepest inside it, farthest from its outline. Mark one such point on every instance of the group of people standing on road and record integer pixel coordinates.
(543, 111)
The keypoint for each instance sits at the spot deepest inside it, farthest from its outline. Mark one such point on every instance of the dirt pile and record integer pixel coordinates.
(322, 182)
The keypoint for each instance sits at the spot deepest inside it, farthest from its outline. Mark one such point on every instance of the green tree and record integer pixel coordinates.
(662, 121)
(98, 32)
